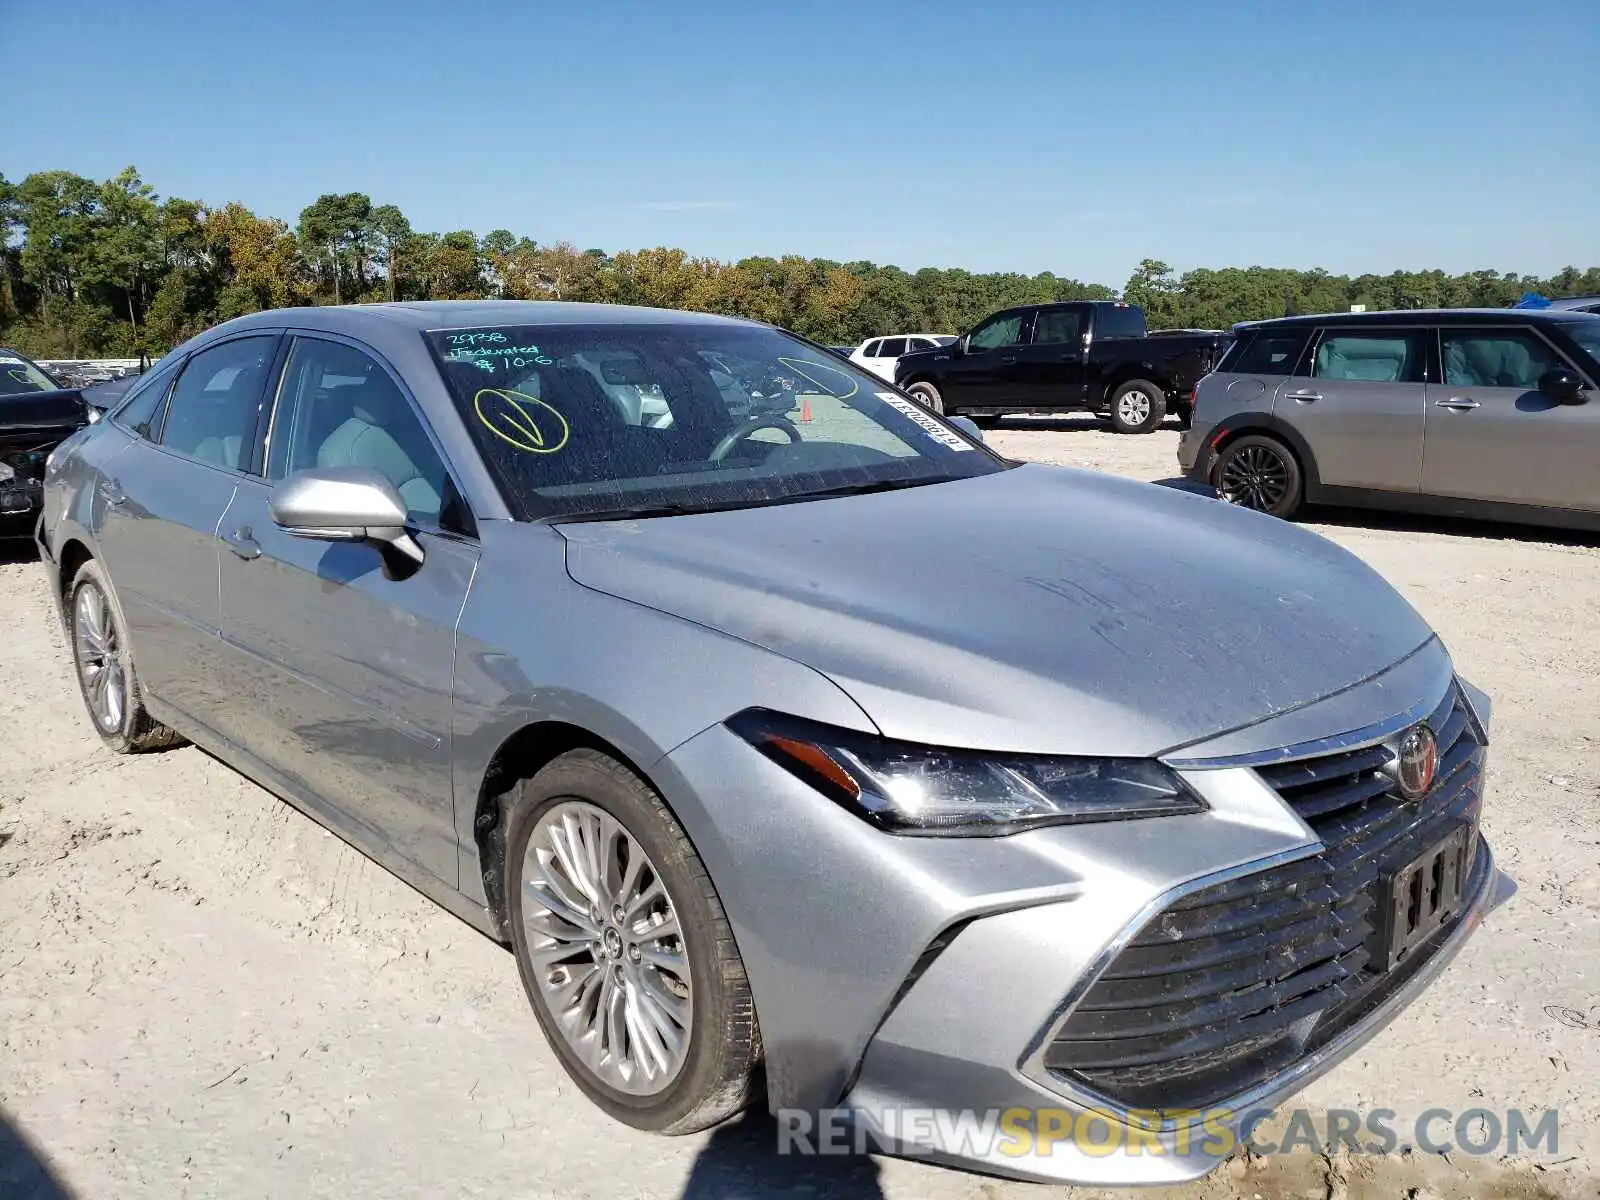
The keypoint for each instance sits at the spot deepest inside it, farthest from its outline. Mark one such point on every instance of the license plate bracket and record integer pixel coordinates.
(1417, 900)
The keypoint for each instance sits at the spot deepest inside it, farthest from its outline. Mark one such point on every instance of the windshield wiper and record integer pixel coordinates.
(860, 489)
(639, 512)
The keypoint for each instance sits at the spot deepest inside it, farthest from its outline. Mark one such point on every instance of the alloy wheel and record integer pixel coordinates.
(1133, 407)
(607, 949)
(1255, 477)
(99, 659)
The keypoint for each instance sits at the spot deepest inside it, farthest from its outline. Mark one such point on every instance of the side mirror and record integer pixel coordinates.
(1562, 386)
(967, 426)
(343, 504)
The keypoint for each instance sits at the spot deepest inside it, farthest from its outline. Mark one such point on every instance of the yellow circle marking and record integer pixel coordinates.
(798, 366)
(507, 415)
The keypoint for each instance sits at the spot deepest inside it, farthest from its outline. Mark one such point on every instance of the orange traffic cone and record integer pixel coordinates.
(805, 410)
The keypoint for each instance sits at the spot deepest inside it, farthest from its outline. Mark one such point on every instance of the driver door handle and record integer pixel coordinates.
(243, 543)
(1305, 397)
(1459, 403)
(1008, 358)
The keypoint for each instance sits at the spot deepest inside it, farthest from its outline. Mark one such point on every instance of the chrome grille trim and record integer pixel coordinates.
(1225, 987)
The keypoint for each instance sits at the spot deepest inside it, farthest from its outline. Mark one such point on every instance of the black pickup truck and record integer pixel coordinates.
(1086, 355)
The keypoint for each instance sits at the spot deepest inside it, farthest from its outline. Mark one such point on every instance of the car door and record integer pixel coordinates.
(1492, 435)
(888, 353)
(1049, 371)
(979, 372)
(158, 503)
(341, 671)
(1358, 402)
(865, 354)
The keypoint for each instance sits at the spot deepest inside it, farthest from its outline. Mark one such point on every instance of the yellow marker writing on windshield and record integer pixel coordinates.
(511, 417)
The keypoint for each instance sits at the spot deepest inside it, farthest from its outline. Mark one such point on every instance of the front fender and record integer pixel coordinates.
(534, 646)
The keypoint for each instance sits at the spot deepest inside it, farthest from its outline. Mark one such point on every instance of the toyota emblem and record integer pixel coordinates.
(1419, 759)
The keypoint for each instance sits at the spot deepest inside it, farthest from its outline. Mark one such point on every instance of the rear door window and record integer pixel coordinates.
(1057, 325)
(1118, 321)
(214, 407)
(892, 348)
(1370, 356)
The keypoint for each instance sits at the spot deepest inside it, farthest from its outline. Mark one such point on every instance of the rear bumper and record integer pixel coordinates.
(1195, 457)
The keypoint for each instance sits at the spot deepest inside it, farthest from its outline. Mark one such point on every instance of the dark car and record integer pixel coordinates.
(1087, 355)
(36, 414)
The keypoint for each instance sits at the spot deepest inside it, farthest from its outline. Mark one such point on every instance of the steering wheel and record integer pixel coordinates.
(745, 428)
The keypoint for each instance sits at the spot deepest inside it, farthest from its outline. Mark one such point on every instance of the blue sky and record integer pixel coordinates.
(1071, 136)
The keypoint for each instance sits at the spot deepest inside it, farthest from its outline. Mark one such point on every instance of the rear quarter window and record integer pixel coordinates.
(1265, 352)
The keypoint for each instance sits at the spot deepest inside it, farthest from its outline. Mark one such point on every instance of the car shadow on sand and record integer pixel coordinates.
(1064, 423)
(741, 1162)
(24, 1175)
(1386, 521)
(17, 550)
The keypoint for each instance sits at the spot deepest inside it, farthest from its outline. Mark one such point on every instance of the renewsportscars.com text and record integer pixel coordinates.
(1021, 1132)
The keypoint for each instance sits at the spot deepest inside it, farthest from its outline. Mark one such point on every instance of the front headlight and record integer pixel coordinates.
(902, 787)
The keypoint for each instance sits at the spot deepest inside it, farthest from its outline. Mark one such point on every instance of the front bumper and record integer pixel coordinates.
(897, 975)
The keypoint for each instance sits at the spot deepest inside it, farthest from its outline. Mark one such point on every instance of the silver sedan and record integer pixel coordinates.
(801, 749)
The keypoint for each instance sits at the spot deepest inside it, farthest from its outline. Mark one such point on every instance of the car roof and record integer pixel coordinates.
(1423, 316)
(466, 314)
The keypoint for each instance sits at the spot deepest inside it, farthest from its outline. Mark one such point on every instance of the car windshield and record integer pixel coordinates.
(601, 421)
(18, 375)
(1587, 335)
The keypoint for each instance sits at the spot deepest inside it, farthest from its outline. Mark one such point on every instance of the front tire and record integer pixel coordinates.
(1260, 473)
(927, 395)
(1137, 406)
(624, 949)
(105, 670)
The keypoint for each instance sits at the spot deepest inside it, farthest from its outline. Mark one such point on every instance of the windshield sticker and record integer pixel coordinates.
(810, 370)
(945, 437)
(510, 416)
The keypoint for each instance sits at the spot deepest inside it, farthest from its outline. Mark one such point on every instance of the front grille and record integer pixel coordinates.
(1233, 984)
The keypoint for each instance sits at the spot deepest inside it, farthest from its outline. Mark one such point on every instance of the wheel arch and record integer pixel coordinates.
(74, 553)
(519, 756)
(1232, 429)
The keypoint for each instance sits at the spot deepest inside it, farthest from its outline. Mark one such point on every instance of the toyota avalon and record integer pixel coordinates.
(801, 749)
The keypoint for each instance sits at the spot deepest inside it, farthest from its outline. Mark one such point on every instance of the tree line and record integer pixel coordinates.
(110, 268)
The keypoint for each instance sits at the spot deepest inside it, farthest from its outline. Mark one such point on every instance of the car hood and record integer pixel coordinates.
(1036, 609)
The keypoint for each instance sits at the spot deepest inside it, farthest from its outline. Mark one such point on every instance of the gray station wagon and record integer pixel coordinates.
(800, 749)
(1487, 413)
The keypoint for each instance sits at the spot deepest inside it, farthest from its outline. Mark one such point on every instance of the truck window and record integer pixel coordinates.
(1119, 321)
(1004, 329)
(1057, 325)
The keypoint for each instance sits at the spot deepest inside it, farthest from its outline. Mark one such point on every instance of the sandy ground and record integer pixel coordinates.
(204, 994)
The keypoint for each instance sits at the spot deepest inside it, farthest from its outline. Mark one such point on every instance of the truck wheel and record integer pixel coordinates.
(927, 395)
(1138, 406)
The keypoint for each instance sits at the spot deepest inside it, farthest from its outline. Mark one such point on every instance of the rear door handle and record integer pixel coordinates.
(243, 543)
(111, 493)
(1459, 403)
(1008, 358)
(1305, 397)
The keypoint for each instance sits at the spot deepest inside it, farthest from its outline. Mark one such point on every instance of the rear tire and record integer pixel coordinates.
(644, 940)
(1260, 473)
(104, 666)
(1137, 406)
(927, 395)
